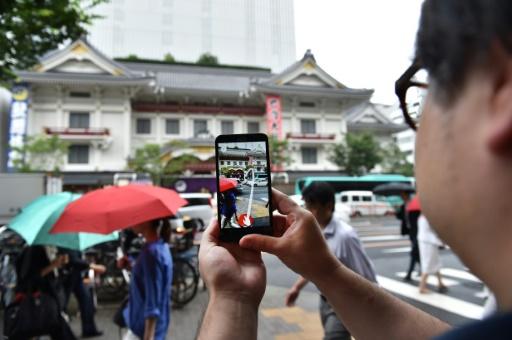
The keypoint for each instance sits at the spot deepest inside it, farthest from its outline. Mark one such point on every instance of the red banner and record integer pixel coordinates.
(274, 116)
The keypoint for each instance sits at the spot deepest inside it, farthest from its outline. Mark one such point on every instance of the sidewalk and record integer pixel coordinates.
(275, 320)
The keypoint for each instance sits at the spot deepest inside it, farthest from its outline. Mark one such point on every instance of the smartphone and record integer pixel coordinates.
(244, 203)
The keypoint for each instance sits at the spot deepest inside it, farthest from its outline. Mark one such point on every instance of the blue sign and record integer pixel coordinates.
(18, 118)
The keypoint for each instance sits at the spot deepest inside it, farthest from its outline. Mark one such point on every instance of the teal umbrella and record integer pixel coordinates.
(38, 217)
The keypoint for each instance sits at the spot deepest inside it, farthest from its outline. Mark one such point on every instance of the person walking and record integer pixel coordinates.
(147, 313)
(429, 245)
(412, 213)
(228, 208)
(72, 281)
(343, 242)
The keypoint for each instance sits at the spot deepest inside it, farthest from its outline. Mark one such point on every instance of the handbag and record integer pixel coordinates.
(31, 315)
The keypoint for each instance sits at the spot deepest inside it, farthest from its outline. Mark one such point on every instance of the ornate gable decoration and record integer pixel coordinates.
(305, 73)
(80, 57)
(368, 113)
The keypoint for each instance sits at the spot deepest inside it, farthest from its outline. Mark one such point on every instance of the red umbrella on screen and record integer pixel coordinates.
(414, 204)
(106, 210)
(226, 184)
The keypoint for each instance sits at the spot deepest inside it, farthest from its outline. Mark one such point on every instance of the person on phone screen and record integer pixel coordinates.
(463, 174)
(229, 209)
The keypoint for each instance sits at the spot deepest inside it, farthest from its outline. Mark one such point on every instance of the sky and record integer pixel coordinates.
(362, 43)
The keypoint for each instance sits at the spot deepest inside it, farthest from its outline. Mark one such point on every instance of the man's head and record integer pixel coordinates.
(464, 141)
(319, 199)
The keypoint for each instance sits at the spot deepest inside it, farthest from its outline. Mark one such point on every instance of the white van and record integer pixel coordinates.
(364, 203)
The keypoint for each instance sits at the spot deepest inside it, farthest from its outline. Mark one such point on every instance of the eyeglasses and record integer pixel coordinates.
(408, 91)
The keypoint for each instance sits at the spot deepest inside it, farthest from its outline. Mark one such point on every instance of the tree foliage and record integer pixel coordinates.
(279, 152)
(207, 59)
(41, 153)
(177, 165)
(168, 57)
(147, 160)
(357, 155)
(29, 29)
(394, 161)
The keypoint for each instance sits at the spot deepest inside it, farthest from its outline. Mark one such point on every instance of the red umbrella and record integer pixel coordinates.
(227, 184)
(414, 204)
(105, 210)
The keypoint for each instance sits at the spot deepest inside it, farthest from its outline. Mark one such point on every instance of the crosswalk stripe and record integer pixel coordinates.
(431, 280)
(447, 303)
(382, 238)
(460, 274)
(397, 250)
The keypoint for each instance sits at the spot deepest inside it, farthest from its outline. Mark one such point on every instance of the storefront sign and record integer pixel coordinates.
(274, 116)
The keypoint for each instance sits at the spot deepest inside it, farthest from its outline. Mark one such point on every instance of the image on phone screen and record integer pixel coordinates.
(243, 185)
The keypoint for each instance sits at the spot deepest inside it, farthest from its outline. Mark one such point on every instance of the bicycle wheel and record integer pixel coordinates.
(184, 283)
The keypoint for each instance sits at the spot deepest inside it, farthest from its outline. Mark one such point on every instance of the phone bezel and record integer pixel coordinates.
(235, 234)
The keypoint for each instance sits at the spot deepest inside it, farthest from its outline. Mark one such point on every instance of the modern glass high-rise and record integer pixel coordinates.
(244, 32)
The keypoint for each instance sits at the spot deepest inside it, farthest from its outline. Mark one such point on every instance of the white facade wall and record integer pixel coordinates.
(248, 32)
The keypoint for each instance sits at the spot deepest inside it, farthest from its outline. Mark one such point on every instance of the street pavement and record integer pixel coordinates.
(388, 251)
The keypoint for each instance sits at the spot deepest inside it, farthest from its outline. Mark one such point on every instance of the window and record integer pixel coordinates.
(307, 104)
(79, 120)
(367, 198)
(344, 198)
(253, 127)
(309, 155)
(78, 154)
(221, 162)
(227, 127)
(143, 126)
(200, 126)
(308, 126)
(172, 126)
(355, 199)
(77, 94)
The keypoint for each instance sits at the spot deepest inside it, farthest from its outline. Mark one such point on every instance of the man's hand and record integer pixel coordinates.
(231, 271)
(291, 296)
(297, 240)
(236, 279)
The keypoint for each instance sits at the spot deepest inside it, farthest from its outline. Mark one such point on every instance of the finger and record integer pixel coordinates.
(283, 203)
(279, 224)
(211, 234)
(268, 244)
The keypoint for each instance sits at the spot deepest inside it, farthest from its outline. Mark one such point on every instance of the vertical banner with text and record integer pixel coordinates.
(18, 118)
(274, 116)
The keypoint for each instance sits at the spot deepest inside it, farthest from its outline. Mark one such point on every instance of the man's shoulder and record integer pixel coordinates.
(495, 327)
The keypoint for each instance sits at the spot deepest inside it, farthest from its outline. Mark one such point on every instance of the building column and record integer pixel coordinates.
(158, 128)
(60, 114)
(127, 123)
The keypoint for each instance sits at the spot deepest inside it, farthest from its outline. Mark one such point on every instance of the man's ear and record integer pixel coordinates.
(499, 127)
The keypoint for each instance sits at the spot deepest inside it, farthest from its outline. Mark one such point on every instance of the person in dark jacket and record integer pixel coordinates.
(72, 281)
(35, 272)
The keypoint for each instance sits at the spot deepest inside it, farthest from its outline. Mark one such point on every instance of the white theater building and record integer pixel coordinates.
(107, 109)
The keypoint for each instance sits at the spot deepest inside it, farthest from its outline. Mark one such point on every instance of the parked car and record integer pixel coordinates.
(199, 207)
(365, 203)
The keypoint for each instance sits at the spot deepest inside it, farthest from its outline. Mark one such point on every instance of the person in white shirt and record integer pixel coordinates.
(431, 263)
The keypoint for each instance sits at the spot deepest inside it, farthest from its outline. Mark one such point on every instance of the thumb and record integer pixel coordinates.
(263, 243)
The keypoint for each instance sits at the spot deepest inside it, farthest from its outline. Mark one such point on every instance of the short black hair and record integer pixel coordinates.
(455, 36)
(320, 193)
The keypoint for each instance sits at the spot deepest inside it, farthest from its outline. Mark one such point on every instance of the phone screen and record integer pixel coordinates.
(244, 185)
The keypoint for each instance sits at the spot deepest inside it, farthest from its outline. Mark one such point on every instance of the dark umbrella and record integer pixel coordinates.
(393, 189)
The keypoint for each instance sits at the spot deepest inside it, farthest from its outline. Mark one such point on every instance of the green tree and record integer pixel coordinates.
(177, 165)
(279, 152)
(29, 29)
(207, 59)
(132, 57)
(169, 58)
(41, 153)
(394, 161)
(357, 155)
(148, 159)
